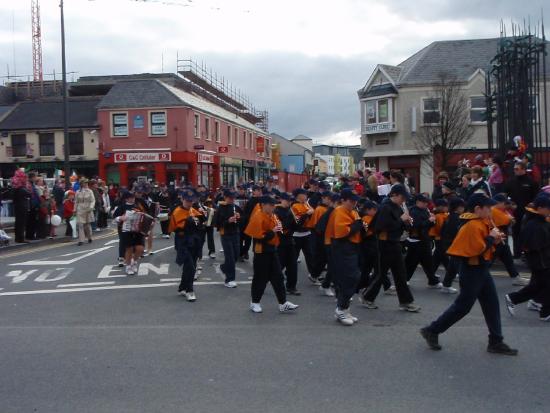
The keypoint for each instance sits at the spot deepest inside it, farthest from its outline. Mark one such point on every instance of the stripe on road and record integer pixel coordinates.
(86, 284)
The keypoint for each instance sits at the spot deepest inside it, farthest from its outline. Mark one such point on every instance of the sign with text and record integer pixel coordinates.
(143, 157)
(205, 157)
(260, 145)
(223, 149)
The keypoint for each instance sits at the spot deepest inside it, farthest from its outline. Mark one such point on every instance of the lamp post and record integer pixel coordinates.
(66, 154)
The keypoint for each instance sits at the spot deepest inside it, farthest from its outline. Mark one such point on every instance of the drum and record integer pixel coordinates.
(140, 222)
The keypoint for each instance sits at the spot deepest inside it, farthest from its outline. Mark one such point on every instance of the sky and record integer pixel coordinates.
(302, 60)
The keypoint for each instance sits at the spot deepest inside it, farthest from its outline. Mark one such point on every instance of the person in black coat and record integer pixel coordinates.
(21, 207)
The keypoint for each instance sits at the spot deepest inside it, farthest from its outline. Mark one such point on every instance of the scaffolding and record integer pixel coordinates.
(206, 83)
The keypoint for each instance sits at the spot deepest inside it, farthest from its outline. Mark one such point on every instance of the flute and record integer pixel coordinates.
(278, 223)
(296, 218)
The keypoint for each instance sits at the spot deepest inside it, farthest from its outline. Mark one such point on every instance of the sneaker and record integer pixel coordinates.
(366, 303)
(315, 281)
(166, 236)
(520, 281)
(120, 262)
(448, 290)
(199, 267)
(231, 284)
(191, 296)
(411, 308)
(532, 305)
(212, 255)
(287, 307)
(135, 267)
(343, 317)
(196, 276)
(391, 291)
(255, 307)
(299, 260)
(544, 317)
(355, 319)
(98, 230)
(502, 348)
(431, 338)
(435, 286)
(151, 252)
(509, 305)
(327, 291)
(293, 291)
(130, 270)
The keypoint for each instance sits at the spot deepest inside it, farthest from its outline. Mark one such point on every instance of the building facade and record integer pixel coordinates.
(293, 156)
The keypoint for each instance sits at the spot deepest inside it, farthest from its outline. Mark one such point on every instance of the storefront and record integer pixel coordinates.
(248, 170)
(230, 171)
(205, 169)
(81, 168)
(263, 171)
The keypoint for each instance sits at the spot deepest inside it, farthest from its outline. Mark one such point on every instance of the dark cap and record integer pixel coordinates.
(324, 185)
(284, 196)
(541, 201)
(399, 189)
(498, 198)
(313, 181)
(441, 202)
(256, 188)
(187, 195)
(348, 195)
(326, 194)
(456, 202)
(335, 197)
(299, 191)
(126, 195)
(228, 193)
(370, 204)
(267, 200)
(421, 198)
(480, 200)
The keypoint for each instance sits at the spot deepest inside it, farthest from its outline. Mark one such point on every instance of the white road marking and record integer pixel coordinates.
(112, 287)
(87, 253)
(163, 249)
(45, 276)
(85, 284)
(19, 276)
(114, 241)
(106, 272)
(166, 280)
(145, 267)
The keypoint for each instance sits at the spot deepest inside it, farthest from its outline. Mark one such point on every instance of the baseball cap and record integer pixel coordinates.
(399, 189)
(299, 191)
(335, 197)
(348, 195)
(542, 201)
(285, 196)
(480, 200)
(228, 193)
(187, 195)
(456, 202)
(498, 198)
(441, 202)
(421, 198)
(326, 194)
(127, 195)
(267, 200)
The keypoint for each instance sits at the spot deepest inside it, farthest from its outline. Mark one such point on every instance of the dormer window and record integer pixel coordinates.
(379, 115)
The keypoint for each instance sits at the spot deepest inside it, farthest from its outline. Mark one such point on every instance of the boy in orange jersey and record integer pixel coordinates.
(474, 246)
(321, 228)
(186, 223)
(318, 239)
(345, 226)
(441, 213)
(264, 228)
(302, 233)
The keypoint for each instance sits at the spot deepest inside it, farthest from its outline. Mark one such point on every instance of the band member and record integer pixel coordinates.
(286, 249)
(441, 213)
(389, 224)
(321, 228)
(133, 241)
(264, 229)
(314, 194)
(146, 205)
(209, 227)
(227, 222)
(419, 244)
(302, 212)
(164, 200)
(186, 223)
(448, 233)
(474, 246)
(535, 236)
(318, 239)
(252, 205)
(344, 228)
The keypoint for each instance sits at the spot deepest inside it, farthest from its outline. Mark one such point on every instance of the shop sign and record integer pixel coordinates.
(248, 164)
(198, 147)
(231, 162)
(205, 158)
(143, 157)
(223, 149)
(260, 145)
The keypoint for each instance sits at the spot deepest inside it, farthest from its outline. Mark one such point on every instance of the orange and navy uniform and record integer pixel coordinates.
(472, 242)
(317, 214)
(342, 225)
(179, 218)
(501, 218)
(260, 229)
(367, 219)
(435, 231)
(300, 212)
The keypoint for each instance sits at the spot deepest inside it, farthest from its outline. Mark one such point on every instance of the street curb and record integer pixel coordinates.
(16, 246)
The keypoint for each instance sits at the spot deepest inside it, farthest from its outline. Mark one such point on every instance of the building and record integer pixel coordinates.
(293, 156)
(398, 101)
(329, 161)
(341, 159)
(31, 136)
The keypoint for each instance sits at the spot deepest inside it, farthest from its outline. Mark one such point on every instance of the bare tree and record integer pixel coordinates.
(447, 128)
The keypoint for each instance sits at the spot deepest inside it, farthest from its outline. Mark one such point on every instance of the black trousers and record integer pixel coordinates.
(516, 229)
(440, 255)
(69, 229)
(164, 227)
(210, 240)
(345, 259)
(319, 256)
(189, 267)
(538, 289)
(304, 244)
(287, 259)
(31, 228)
(451, 272)
(246, 241)
(502, 251)
(267, 269)
(231, 247)
(121, 243)
(420, 253)
(391, 258)
(20, 224)
(330, 268)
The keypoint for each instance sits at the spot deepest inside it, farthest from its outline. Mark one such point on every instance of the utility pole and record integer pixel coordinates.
(67, 162)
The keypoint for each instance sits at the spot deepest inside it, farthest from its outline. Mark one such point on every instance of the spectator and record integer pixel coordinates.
(442, 178)
(84, 206)
(68, 212)
(32, 217)
(496, 179)
(478, 183)
(47, 210)
(21, 204)
(58, 193)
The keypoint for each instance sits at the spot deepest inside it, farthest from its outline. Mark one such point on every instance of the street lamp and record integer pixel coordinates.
(66, 154)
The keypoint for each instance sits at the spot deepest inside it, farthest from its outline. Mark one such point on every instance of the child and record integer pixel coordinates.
(68, 212)
(441, 213)
(448, 233)
(474, 246)
(46, 211)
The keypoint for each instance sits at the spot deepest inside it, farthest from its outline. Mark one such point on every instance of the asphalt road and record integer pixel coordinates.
(77, 335)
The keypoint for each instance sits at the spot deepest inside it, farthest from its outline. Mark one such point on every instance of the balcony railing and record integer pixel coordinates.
(384, 127)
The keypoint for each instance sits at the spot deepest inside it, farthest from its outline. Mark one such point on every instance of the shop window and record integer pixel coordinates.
(431, 111)
(120, 125)
(76, 143)
(207, 129)
(196, 130)
(46, 144)
(158, 123)
(19, 145)
(217, 131)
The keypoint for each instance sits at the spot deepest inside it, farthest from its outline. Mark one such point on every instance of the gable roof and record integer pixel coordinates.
(287, 146)
(143, 93)
(48, 114)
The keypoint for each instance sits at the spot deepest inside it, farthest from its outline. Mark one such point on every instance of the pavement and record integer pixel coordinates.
(78, 335)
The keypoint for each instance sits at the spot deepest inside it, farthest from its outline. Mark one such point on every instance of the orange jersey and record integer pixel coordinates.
(367, 219)
(470, 241)
(259, 225)
(319, 211)
(342, 218)
(501, 218)
(440, 219)
(299, 211)
(179, 216)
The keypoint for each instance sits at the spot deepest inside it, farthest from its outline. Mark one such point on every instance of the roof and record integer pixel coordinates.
(48, 114)
(287, 146)
(301, 138)
(148, 93)
(4, 110)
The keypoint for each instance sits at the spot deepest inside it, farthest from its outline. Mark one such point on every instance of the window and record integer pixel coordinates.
(268, 148)
(207, 129)
(19, 145)
(229, 137)
(47, 144)
(76, 143)
(477, 109)
(431, 111)
(120, 124)
(383, 115)
(371, 111)
(196, 127)
(236, 136)
(158, 123)
(250, 145)
(217, 131)
(244, 140)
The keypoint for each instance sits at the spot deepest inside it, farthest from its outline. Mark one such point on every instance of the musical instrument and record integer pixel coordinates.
(278, 223)
(139, 222)
(241, 203)
(210, 216)
(296, 217)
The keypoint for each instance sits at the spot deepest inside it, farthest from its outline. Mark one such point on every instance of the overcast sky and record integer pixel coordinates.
(302, 60)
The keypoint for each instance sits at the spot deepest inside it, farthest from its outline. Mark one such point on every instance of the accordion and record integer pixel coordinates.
(140, 222)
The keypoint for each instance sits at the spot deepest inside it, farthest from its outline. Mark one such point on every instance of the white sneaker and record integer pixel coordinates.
(120, 262)
(130, 270)
(231, 284)
(287, 307)
(435, 286)
(191, 296)
(343, 317)
(199, 267)
(135, 267)
(314, 281)
(255, 307)
(327, 291)
(212, 255)
(520, 281)
(166, 236)
(532, 305)
(448, 290)
(391, 291)
(97, 230)
(410, 308)
(355, 319)
(509, 305)
(197, 275)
